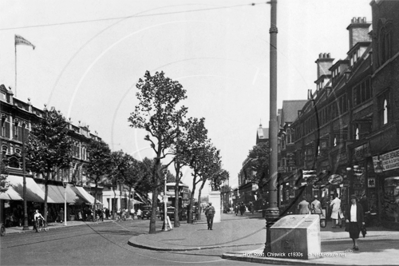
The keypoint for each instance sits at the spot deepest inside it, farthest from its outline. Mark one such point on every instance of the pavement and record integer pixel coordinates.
(247, 235)
(50, 226)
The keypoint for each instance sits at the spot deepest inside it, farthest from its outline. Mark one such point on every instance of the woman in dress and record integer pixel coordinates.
(354, 221)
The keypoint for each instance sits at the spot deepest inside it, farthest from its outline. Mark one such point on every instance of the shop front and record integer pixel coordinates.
(386, 168)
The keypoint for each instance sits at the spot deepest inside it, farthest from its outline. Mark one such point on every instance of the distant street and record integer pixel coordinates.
(97, 244)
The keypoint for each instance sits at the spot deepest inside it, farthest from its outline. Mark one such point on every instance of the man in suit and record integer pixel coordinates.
(210, 213)
(354, 221)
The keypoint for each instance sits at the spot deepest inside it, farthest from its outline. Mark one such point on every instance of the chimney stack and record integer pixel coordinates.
(324, 62)
(358, 31)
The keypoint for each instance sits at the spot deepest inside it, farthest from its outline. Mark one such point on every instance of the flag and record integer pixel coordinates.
(21, 40)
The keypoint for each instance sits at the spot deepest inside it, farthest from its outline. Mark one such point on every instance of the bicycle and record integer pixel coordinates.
(41, 225)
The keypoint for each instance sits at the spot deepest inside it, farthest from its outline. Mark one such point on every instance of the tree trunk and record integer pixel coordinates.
(199, 199)
(113, 202)
(190, 211)
(177, 209)
(120, 196)
(128, 202)
(155, 197)
(95, 201)
(45, 195)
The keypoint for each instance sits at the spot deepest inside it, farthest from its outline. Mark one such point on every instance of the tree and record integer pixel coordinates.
(259, 155)
(49, 147)
(160, 114)
(118, 173)
(194, 133)
(200, 160)
(99, 163)
(212, 172)
(114, 177)
(131, 176)
(3, 176)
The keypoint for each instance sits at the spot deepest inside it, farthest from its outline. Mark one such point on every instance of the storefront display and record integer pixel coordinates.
(390, 202)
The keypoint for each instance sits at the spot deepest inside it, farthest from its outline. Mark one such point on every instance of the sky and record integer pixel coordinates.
(89, 56)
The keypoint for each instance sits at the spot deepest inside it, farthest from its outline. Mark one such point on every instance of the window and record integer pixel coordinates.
(384, 109)
(5, 127)
(384, 36)
(289, 136)
(357, 133)
(4, 150)
(362, 92)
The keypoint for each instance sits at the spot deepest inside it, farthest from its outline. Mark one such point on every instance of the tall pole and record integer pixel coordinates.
(25, 227)
(272, 212)
(15, 46)
(164, 205)
(65, 205)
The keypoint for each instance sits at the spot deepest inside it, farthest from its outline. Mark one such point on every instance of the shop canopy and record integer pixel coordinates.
(82, 193)
(10, 194)
(33, 191)
(58, 193)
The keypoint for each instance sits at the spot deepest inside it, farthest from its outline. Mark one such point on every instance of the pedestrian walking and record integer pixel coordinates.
(236, 209)
(354, 221)
(210, 213)
(336, 212)
(315, 206)
(107, 213)
(242, 208)
(303, 206)
(60, 215)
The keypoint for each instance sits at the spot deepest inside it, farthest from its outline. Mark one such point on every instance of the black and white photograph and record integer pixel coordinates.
(188, 132)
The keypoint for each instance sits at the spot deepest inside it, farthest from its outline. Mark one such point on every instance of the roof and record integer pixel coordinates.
(289, 112)
(262, 134)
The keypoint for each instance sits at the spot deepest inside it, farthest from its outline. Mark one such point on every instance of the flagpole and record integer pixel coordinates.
(15, 45)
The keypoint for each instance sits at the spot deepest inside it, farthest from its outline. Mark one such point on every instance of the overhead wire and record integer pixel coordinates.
(131, 16)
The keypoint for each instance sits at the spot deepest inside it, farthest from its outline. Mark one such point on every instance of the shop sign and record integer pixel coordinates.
(389, 160)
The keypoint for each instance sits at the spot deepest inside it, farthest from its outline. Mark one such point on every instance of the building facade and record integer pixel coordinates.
(17, 118)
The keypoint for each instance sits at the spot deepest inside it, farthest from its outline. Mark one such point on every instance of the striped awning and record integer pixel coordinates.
(10, 194)
(33, 191)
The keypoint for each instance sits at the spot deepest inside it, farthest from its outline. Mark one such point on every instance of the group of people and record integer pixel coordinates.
(353, 215)
(242, 208)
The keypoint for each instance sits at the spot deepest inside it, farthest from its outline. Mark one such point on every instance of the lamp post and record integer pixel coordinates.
(272, 212)
(164, 201)
(25, 227)
(65, 184)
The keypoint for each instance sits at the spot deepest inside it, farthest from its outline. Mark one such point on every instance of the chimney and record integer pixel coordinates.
(324, 62)
(358, 31)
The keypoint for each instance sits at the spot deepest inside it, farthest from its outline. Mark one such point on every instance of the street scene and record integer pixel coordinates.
(185, 132)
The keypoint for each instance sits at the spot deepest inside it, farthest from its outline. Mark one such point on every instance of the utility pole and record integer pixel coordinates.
(272, 212)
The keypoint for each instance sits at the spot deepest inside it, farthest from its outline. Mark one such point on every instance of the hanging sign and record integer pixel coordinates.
(335, 179)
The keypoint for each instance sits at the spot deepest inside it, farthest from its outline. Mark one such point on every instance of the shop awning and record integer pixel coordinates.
(33, 191)
(10, 194)
(57, 193)
(82, 193)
